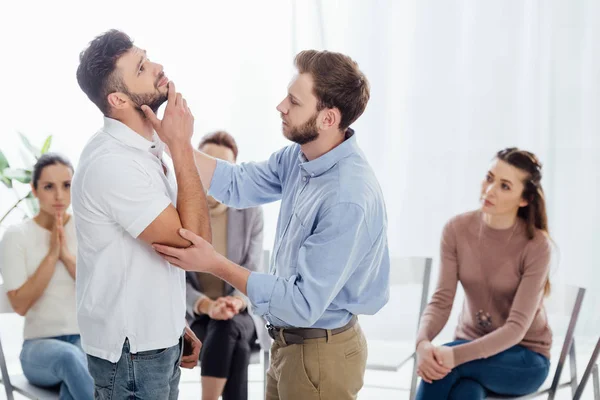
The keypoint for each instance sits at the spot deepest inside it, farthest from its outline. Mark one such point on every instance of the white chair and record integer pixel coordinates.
(388, 349)
(568, 349)
(18, 383)
(591, 369)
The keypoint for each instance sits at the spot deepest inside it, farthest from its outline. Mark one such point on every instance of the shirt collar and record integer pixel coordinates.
(320, 165)
(129, 137)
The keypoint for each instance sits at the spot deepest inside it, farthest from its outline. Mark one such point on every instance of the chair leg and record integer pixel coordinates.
(588, 372)
(568, 343)
(573, 368)
(596, 383)
(413, 379)
(265, 362)
(4, 375)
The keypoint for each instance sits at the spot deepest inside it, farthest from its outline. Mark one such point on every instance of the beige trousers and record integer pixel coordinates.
(324, 369)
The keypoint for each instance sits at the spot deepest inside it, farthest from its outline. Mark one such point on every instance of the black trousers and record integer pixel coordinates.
(226, 349)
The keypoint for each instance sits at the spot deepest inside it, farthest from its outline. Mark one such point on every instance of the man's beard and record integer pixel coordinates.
(152, 100)
(304, 133)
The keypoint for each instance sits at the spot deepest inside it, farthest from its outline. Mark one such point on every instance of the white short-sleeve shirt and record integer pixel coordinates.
(124, 289)
(22, 250)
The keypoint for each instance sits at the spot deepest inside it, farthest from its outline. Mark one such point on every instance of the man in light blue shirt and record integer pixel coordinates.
(330, 261)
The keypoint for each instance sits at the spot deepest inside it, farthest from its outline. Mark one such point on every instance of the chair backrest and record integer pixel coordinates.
(5, 306)
(409, 270)
(266, 261)
(409, 289)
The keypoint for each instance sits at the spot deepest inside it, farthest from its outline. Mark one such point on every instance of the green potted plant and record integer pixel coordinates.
(11, 177)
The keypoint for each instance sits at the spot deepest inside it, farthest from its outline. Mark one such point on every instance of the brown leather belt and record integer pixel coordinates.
(298, 335)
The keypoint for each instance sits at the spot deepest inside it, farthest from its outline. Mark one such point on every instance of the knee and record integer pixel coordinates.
(222, 327)
(70, 359)
(467, 389)
(242, 352)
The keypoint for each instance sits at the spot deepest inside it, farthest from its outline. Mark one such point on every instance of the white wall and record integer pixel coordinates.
(452, 83)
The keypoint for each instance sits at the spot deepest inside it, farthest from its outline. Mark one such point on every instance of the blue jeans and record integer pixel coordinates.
(58, 362)
(152, 374)
(514, 372)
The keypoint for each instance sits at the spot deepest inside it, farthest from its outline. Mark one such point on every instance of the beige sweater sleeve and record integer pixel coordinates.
(536, 267)
(438, 310)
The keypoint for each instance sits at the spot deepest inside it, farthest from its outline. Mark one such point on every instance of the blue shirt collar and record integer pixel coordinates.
(320, 165)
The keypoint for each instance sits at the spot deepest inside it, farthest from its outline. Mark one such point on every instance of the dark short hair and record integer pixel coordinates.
(338, 83)
(46, 160)
(96, 73)
(220, 138)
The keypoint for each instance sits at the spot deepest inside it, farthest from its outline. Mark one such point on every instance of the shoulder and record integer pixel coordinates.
(108, 169)
(358, 185)
(464, 225)
(464, 221)
(18, 233)
(539, 246)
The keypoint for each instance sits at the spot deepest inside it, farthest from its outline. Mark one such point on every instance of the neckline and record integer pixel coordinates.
(48, 230)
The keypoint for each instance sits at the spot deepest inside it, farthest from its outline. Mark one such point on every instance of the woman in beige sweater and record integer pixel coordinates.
(501, 256)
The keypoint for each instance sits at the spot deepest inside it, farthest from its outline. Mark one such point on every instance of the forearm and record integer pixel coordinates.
(69, 262)
(231, 273)
(191, 198)
(23, 298)
(206, 167)
(432, 322)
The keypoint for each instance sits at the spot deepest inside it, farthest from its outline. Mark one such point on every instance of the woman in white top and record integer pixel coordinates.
(38, 269)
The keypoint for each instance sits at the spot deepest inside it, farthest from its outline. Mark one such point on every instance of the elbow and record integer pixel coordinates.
(18, 305)
(20, 309)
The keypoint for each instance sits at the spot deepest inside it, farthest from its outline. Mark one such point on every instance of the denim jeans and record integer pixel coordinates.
(514, 372)
(147, 375)
(58, 362)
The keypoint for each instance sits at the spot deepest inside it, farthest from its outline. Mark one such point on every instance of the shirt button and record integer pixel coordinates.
(304, 179)
(313, 174)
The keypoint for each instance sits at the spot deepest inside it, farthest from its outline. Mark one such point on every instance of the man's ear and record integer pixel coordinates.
(117, 100)
(331, 118)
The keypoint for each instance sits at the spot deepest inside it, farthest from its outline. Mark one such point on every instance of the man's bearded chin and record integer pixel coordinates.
(304, 133)
(152, 100)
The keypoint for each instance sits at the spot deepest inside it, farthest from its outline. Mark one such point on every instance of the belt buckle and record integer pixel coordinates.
(271, 330)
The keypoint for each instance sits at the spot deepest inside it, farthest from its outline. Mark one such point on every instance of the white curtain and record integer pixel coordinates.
(455, 81)
(452, 83)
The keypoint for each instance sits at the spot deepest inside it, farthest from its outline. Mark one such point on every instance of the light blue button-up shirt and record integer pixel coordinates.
(330, 258)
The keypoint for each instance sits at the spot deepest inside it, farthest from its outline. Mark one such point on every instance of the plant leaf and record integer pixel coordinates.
(3, 165)
(46, 145)
(19, 174)
(7, 182)
(32, 149)
(32, 204)
(3, 162)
